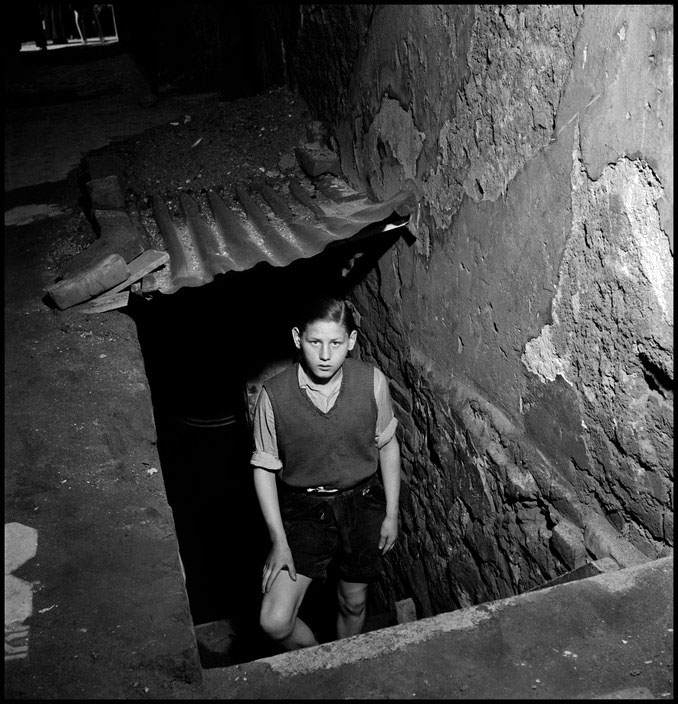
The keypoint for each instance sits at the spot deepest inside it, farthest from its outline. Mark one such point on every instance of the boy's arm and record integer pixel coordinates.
(389, 461)
(279, 555)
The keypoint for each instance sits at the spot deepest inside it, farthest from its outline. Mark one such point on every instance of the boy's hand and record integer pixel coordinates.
(279, 557)
(389, 533)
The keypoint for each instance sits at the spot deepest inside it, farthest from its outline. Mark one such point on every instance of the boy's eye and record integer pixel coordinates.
(334, 343)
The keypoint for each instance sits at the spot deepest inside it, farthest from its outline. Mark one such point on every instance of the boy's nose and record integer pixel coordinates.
(325, 352)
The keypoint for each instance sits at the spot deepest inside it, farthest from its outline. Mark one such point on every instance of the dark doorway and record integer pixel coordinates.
(201, 346)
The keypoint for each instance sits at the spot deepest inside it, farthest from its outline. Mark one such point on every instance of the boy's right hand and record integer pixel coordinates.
(279, 558)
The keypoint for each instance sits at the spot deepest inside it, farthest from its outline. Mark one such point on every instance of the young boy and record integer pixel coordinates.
(322, 428)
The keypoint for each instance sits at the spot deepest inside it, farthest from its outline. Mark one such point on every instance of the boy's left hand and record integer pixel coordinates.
(389, 533)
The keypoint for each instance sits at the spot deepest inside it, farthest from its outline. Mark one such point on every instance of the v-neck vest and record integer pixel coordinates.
(334, 449)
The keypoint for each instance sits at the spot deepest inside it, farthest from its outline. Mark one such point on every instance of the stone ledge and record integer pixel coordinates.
(582, 639)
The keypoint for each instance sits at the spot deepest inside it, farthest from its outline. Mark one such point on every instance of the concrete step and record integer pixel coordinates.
(605, 636)
(219, 642)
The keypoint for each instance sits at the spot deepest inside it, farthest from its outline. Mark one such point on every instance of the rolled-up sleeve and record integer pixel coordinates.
(265, 453)
(386, 420)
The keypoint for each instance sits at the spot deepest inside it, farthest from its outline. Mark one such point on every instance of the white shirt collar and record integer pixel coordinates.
(324, 389)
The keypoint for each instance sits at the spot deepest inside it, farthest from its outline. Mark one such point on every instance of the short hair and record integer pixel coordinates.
(330, 308)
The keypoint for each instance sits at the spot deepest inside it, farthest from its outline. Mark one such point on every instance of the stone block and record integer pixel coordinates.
(602, 540)
(316, 162)
(21, 544)
(407, 431)
(18, 600)
(497, 454)
(567, 541)
(520, 484)
(101, 276)
(406, 611)
(401, 396)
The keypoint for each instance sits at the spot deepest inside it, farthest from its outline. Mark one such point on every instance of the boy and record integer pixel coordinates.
(321, 429)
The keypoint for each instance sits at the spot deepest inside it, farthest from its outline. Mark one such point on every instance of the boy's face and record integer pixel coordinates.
(324, 345)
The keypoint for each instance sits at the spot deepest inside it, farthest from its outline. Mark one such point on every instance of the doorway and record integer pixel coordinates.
(206, 351)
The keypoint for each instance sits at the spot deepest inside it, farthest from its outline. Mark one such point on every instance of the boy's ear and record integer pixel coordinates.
(296, 336)
(351, 340)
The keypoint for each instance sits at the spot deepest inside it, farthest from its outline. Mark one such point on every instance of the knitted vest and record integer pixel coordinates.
(334, 449)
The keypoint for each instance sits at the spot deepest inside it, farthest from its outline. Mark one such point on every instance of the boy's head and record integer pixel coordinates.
(330, 308)
(325, 334)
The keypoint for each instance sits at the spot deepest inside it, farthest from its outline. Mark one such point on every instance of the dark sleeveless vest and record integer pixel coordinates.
(334, 449)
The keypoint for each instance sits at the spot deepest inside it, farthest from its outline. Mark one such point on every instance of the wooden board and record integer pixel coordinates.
(143, 264)
(103, 303)
(114, 297)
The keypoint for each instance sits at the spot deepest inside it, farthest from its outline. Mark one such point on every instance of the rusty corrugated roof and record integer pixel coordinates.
(266, 223)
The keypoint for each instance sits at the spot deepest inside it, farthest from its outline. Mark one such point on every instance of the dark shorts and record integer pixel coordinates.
(339, 529)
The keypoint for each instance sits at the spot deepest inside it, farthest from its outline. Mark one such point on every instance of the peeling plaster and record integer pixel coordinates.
(614, 300)
(394, 128)
(505, 112)
(640, 193)
(540, 357)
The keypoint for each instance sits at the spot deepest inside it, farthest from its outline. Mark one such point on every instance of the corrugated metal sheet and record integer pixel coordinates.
(269, 223)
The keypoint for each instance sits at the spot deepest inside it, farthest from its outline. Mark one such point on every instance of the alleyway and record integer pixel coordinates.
(99, 600)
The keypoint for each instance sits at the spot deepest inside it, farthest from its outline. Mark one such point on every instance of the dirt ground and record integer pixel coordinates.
(110, 613)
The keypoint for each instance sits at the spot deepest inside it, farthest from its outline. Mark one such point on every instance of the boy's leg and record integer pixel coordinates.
(361, 515)
(279, 610)
(352, 597)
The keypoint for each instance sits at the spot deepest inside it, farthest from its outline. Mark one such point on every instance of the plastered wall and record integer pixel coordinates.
(529, 330)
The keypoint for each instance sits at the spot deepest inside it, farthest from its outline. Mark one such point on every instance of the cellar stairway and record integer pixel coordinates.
(606, 636)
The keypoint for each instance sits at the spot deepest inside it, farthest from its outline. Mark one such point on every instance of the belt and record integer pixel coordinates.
(321, 491)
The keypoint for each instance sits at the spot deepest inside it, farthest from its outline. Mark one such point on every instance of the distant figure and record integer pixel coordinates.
(30, 25)
(97, 8)
(104, 15)
(86, 14)
(54, 15)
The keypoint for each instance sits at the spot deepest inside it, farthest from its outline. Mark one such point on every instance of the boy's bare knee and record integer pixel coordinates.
(277, 624)
(353, 605)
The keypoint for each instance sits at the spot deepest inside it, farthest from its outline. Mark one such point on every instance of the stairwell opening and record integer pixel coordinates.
(202, 349)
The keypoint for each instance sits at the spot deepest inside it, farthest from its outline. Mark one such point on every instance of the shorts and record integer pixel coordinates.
(341, 529)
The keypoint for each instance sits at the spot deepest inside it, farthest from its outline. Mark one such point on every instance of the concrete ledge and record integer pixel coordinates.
(585, 639)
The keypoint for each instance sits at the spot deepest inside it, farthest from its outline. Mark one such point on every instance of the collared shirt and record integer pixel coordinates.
(323, 396)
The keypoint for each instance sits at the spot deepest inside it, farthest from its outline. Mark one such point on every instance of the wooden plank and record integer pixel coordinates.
(103, 303)
(102, 276)
(144, 264)
(113, 298)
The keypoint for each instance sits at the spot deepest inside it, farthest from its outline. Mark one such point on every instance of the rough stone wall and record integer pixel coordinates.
(528, 332)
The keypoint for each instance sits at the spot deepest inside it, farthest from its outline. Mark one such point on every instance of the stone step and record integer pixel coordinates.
(606, 636)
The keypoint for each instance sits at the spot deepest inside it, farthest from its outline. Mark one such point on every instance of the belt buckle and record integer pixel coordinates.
(321, 490)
